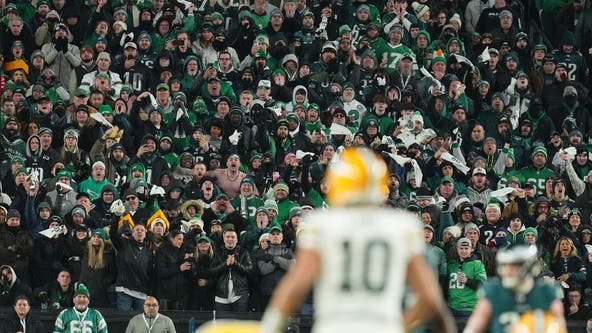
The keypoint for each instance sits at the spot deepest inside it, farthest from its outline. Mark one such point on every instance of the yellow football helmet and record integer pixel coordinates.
(358, 176)
(229, 326)
(538, 321)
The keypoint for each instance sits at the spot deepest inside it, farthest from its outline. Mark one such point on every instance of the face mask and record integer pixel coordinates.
(501, 241)
(570, 100)
(247, 81)
(536, 110)
(279, 51)
(219, 45)
(333, 66)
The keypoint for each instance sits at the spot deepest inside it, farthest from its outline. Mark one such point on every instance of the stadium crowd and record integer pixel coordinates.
(171, 148)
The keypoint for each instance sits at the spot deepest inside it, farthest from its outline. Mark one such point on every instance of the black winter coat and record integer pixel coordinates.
(242, 268)
(47, 259)
(16, 249)
(134, 262)
(170, 282)
(99, 280)
(12, 324)
(73, 253)
(9, 292)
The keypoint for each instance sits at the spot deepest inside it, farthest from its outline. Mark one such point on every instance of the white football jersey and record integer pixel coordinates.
(364, 255)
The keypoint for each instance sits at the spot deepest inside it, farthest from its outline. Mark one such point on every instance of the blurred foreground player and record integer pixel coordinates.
(518, 301)
(359, 256)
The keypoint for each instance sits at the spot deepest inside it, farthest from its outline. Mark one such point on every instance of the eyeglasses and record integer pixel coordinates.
(339, 115)
(151, 304)
(130, 198)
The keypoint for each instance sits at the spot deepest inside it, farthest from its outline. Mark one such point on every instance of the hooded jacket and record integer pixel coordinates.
(577, 66)
(100, 213)
(61, 62)
(188, 81)
(290, 57)
(245, 35)
(246, 142)
(9, 290)
(290, 106)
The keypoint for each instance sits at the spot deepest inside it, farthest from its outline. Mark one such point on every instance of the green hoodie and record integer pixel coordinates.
(460, 42)
(385, 122)
(189, 82)
(420, 54)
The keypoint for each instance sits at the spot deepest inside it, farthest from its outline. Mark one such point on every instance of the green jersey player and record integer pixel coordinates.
(504, 300)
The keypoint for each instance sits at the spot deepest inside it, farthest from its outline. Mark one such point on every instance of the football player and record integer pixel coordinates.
(510, 301)
(359, 256)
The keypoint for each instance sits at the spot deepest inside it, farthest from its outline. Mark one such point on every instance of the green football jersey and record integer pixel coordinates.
(393, 55)
(250, 206)
(536, 176)
(72, 321)
(460, 296)
(507, 307)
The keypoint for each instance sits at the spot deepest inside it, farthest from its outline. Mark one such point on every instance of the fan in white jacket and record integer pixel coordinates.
(417, 133)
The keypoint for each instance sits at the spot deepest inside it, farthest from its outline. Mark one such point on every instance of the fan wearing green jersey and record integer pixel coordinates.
(394, 50)
(80, 318)
(465, 275)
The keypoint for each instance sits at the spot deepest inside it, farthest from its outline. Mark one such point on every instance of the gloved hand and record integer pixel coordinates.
(381, 81)
(235, 137)
(60, 111)
(56, 82)
(117, 207)
(157, 190)
(181, 112)
(507, 136)
(61, 44)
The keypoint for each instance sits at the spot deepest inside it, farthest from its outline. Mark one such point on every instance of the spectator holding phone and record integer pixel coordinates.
(172, 271)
